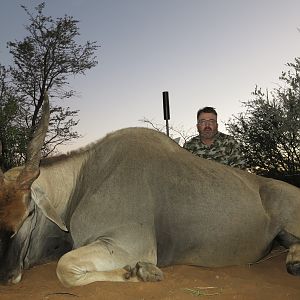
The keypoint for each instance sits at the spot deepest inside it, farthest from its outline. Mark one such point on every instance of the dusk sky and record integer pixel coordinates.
(204, 52)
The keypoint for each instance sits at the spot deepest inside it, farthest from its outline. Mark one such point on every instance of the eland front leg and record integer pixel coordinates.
(103, 261)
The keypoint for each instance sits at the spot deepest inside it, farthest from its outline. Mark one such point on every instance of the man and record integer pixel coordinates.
(212, 144)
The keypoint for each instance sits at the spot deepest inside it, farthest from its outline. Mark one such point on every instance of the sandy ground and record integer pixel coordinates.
(265, 280)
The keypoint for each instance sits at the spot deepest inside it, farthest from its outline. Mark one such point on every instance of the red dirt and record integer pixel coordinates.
(265, 280)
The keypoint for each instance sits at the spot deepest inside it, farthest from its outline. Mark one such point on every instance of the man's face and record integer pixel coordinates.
(207, 125)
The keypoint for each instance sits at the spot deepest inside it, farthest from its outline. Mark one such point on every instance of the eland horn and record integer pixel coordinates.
(31, 169)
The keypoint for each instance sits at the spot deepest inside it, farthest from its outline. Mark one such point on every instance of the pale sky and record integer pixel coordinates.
(204, 52)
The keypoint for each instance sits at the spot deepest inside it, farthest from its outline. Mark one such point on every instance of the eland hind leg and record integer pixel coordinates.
(293, 257)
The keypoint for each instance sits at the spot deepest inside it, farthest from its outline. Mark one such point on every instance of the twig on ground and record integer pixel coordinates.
(60, 293)
(203, 291)
(271, 255)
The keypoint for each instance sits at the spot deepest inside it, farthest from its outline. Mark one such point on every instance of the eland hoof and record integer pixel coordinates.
(145, 272)
(293, 268)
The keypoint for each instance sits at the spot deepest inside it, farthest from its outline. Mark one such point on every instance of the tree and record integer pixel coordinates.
(11, 134)
(178, 134)
(269, 129)
(44, 61)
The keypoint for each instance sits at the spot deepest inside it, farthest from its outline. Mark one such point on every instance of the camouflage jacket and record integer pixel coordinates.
(224, 150)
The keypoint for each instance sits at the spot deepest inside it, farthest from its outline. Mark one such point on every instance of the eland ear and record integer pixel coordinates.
(42, 201)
